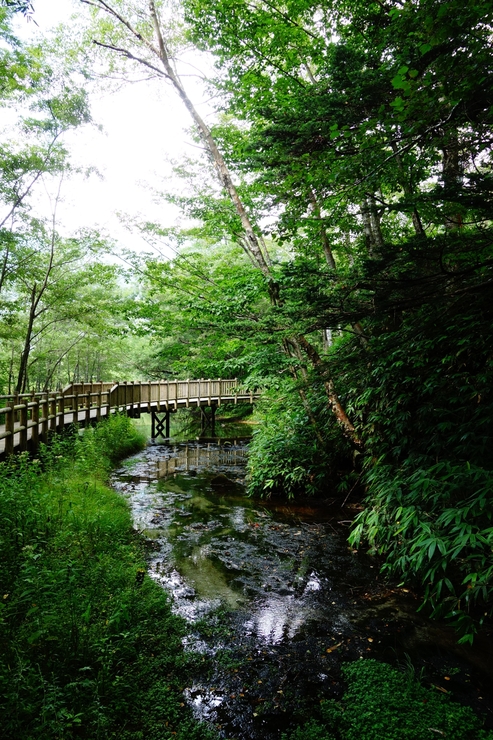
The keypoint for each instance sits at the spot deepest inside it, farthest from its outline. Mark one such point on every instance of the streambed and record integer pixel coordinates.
(275, 598)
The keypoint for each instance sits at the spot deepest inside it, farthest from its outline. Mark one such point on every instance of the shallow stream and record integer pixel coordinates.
(275, 598)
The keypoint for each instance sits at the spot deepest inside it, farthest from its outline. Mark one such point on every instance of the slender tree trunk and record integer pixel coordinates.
(5, 263)
(11, 370)
(367, 229)
(253, 241)
(57, 364)
(376, 227)
(22, 376)
(334, 402)
(329, 257)
(452, 180)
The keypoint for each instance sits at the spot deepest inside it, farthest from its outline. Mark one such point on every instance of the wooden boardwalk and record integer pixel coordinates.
(31, 417)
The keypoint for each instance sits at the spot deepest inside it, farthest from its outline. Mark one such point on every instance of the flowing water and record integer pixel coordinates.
(275, 598)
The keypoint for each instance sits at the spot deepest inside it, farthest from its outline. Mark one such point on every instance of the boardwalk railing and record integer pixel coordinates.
(31, 416)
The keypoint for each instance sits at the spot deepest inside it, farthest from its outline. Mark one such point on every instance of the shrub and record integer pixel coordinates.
(290, 453)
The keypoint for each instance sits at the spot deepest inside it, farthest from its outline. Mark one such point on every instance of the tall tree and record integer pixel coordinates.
(142, 38)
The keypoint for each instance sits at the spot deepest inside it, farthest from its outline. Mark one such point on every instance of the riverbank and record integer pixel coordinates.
(89, 647)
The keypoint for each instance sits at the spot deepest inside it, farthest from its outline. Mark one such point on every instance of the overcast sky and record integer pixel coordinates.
(143, 126)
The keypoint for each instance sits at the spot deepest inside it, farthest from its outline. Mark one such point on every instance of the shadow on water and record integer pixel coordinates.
(276, 599)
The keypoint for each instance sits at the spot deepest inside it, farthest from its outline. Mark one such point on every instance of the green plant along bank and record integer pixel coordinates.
(88, 645)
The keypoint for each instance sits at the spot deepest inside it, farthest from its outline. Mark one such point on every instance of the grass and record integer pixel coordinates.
(89, 647)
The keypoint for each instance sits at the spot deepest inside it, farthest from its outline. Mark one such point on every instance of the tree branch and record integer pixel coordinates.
(129, 55)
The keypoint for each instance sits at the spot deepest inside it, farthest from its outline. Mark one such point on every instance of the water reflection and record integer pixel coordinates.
(215, 546)
(299, 599)
(200, 457)
(279, 618)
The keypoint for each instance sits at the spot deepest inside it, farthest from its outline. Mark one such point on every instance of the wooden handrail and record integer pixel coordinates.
(45, 411)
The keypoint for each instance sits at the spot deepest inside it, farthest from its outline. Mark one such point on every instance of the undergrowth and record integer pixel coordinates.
(293, 452)
(382, 703)
(89, 647)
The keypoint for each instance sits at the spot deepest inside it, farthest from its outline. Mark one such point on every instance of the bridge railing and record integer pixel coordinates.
(33, 415)
(174, 392)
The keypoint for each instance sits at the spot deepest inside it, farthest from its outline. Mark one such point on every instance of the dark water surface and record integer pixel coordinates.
(276, 599)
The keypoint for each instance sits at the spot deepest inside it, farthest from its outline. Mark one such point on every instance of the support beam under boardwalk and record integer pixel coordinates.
(160, 424)
(208, 420)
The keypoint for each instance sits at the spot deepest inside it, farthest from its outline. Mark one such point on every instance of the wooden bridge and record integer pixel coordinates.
(30, 417)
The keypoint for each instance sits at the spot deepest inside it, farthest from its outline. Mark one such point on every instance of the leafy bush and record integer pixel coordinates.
(103, 445)
(286, 454)
(313, 730)
(435, 525)
(424, 405)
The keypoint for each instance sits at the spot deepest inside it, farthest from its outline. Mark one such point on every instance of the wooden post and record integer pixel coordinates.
(99, 401)
(23, 427)
(76, 408)
(61, 410)
(44, 417)
(219, 395)
(35, 422)
(167, 422)
(87, 416)
(9, 428)
(52, 413)
(187, 402)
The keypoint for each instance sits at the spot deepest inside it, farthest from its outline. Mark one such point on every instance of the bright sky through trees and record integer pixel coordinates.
(143, 126)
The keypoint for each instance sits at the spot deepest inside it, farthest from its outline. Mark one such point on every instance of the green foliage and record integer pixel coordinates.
(205, 314)
(434, 525)
(313, 730)
(89, 647)
(102, 446)
(293, 452)
(381, 702)
(59, 305)
(425, 408)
